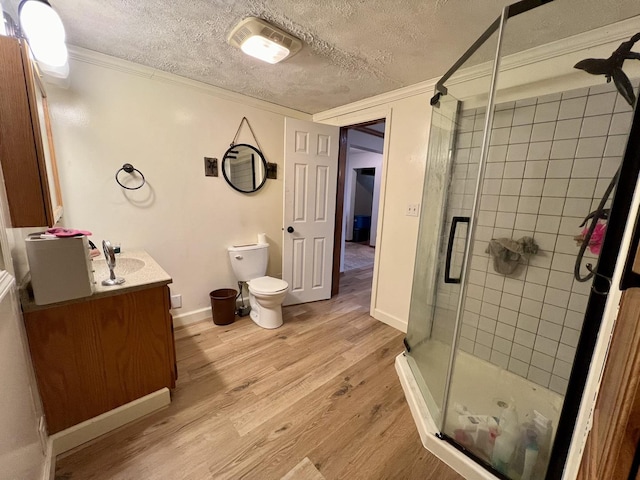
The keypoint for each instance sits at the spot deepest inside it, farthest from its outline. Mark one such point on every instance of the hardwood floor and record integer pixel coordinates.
(253, 403)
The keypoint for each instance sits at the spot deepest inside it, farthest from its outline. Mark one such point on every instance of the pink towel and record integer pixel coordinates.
(67, 232)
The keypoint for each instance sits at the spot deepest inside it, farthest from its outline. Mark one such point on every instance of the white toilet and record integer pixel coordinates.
(266, 294)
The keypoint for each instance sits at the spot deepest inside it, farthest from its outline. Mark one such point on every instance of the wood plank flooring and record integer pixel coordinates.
(254, 404)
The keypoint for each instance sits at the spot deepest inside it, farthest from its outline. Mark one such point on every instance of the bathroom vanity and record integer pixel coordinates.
(94, 354)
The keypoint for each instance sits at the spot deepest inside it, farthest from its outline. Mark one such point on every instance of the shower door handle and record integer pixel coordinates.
(452, 234)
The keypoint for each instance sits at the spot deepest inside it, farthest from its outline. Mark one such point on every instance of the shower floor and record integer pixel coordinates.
(479, 386)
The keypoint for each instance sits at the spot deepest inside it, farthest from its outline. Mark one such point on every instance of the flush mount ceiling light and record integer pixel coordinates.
(43, 28)
(262, 40)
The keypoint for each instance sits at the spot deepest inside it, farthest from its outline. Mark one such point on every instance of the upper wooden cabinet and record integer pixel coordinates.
(27, 156)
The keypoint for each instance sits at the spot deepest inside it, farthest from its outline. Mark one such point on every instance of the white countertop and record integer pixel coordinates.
(137, 267)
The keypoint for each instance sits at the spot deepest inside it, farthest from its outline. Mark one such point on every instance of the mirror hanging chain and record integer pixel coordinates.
(235, 138)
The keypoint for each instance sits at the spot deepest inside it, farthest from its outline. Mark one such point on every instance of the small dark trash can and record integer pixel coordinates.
(223, 305)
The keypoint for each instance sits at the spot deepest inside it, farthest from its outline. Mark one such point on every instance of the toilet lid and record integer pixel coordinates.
(267, 285)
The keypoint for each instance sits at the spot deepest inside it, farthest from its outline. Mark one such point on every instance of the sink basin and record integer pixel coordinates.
(127, 266)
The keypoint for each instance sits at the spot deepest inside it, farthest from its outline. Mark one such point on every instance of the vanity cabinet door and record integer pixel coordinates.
(26, 149)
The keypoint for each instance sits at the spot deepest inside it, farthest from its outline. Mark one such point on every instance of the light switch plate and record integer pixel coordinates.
(413, 209)
(176, 301)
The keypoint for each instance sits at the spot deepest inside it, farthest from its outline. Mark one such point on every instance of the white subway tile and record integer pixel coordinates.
(479, 263)
(494, 282)
(600, 104)
(507, 204)
(620, 123)
(563, 262)
(566, 129)
(551, 97)
(522, 337)
(493, 296)
(477, 277)
(475, 291)
(514, 170)
(551, 205)
(570, 336)
(591, 147)
(523, 115)
(616, 146)
(518, 367)
(484, 338)
(581, 187)
(586, 168)
(508, 317)
(547, 112)
(482, 351)
(541, 259)
(532, 187)
(563, 149)
(505, 220)
(546, 346)
(566, 244)
(573, 320)
(502, 232)
(542, 361)
(570, 226)
(539, 151)
(484, 233)
(518, 152)
(512, 302)
(601, 187)
(502, 345)
(546, 241)
(558, 385)
(513, 286)
(561, 280)
(500, 136)
(583, 288)
(562, 369)
(557, 297)
(489, 203)
(472, 305)
(470, 318)
(559, 168)
(534, 291)
(476, 139)
(464, 140)
(578, 302)
(465, 124)
(499, 359)
(531, 307)
(543, 131)
(573, 108)
(622, 105)
(489, 310)
(494, 170)
(550, 330)
(566, 353)
(539, 376)
(486, 219)
(466, 345)
(502, 118)
(579, 92)
(497, 153)
(474, 157)
(491, 186)
(537, 275)
(548, 223)
(553, 314)
(504, 331)
(528, 205)
(525, 102)
(520, 134)
(512, 186)
(524, 221)
(577, 207)
(469, 332)
(535, 169)
(521, 353)
(595, 126)
(602, 88)
(609, 166)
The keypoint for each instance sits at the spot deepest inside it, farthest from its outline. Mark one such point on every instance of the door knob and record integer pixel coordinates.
(290, 229)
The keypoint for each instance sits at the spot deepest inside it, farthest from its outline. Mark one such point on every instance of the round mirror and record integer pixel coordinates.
(244, 168)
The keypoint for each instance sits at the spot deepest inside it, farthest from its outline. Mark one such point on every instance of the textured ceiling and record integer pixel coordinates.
(351, 49)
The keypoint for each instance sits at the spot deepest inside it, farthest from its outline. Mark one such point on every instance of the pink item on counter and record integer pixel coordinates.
(597, 237)
(67, 232)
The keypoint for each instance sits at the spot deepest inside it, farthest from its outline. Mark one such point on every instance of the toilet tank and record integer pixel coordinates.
(249, 261)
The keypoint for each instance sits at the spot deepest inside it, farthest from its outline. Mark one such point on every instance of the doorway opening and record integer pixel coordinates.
(358, 198)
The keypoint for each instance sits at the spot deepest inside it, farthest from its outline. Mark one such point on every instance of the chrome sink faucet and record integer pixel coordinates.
(110, 256)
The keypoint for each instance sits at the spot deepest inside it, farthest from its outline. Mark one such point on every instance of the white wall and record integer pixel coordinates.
(115, 112)
(356, 160)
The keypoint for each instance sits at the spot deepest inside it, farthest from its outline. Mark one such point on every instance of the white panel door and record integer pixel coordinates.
(310, 182)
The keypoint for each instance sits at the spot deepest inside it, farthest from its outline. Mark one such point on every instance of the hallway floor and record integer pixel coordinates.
(358, 255)
(316, 398)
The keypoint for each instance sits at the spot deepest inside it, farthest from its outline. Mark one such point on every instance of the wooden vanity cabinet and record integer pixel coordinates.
(27, 156)
(95, 355)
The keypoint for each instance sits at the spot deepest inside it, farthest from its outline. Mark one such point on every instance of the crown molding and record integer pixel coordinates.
(91, 57)
(615, 32)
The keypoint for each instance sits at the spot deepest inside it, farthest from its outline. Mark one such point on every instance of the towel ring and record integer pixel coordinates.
(127, 167)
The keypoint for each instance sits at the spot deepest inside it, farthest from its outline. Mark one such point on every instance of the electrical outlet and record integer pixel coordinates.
(176, 301)
(413, 209)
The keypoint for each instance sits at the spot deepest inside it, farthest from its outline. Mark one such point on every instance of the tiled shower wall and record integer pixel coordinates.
(550, 161)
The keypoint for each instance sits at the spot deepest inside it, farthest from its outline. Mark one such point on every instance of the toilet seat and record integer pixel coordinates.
(267, 285)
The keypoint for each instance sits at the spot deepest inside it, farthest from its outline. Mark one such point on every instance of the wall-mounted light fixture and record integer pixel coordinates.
(262, 40)
(43, 29)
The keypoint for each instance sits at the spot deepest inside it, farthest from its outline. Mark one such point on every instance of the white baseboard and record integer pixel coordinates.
(390, 320)
(192, 317)
(93, 428)
(49, 467)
